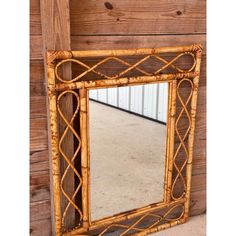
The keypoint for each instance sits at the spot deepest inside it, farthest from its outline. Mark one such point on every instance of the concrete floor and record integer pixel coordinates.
(196, 226)
(127, 161)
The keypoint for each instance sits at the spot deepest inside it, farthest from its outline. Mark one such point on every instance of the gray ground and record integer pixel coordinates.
(127, 161)
(196, 226)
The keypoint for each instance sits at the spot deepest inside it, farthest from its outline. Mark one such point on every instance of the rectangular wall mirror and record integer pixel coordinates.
(127, 147)
(121, 138)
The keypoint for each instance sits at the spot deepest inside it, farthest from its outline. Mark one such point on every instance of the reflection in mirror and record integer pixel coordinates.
(127, 147)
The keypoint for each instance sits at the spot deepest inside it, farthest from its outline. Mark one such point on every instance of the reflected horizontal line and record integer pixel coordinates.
(131, 112)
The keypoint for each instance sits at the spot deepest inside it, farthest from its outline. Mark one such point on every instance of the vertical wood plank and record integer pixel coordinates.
(55, 22)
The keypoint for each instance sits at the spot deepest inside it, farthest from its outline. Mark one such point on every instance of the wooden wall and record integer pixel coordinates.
(97, 24)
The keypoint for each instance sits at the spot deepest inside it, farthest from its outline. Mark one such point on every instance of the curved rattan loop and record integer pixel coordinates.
(182, 140)
(167, 64)
(97, 72)
(123, 62)
(82, 74)
(159, 218)
(165, 216)
(69, 161)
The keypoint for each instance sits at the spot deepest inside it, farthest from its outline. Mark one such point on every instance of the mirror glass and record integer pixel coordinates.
(127, 128)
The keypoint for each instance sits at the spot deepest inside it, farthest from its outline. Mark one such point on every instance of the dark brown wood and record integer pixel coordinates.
(123, 16)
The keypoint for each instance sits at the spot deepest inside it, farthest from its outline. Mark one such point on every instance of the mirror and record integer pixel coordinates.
(127, 129)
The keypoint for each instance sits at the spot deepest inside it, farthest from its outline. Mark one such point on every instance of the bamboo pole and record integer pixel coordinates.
(170, 140)
(54, 141)
(88, 159)
(84, 154)
(160, 227)
(133, 213)
(123, 52)
(191, 133)
(124, 216)
(167, 142)
(126, 81)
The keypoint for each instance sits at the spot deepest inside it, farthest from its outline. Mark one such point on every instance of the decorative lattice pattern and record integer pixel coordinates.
(69, 160)
(182, 140)
(175, 206)
(157, 219)
(119, 61)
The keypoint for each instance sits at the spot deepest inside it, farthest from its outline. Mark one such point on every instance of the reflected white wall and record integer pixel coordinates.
(150, 100)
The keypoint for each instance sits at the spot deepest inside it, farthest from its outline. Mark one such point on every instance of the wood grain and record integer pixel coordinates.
(38, 134)
(38, 107)
(55, 24)
(40, 210)
(55, 21)
(130, 17)
(39, 186)
(94, 18)
(41, 228)
(37, 80)
(126, 42)
(36, 47)
(118, 42)
(198, 202)
(37, 87)
(39, 161)
(35, 19)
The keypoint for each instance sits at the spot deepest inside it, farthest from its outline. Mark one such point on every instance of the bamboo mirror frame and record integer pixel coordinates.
(173, 209)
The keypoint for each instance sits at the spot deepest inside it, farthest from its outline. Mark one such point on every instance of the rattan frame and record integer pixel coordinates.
(57, 86)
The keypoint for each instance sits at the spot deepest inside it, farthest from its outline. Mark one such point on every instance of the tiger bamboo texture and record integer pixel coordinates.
(148, 219)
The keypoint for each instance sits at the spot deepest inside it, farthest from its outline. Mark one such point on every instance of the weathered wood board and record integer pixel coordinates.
(105, 25)
(129, 17)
